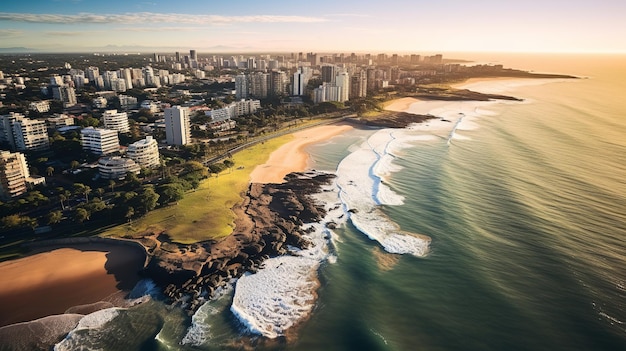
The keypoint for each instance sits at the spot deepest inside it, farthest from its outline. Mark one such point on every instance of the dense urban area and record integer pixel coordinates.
(93, 140)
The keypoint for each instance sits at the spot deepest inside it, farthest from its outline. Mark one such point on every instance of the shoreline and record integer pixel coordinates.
(292, 157)
(59, 279)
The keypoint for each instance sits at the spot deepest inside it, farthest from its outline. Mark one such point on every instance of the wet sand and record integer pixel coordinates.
(292, 157)
(51, 282)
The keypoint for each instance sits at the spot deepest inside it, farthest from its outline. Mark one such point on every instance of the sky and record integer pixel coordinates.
(319, 25)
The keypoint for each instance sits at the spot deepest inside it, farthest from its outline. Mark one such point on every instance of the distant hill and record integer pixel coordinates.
(17, 50)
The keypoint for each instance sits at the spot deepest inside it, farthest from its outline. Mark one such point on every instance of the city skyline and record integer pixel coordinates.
(398, 25)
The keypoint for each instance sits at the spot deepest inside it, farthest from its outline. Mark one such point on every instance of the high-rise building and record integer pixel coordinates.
(13, 174)
(127, 75)
(329, 73)
(259, 85)
(241, 86)
(299, 83)
(65, 94)
(343, 82)
(193, 55)
(177, 126)
(99, 141)
(358, 85)
(116, 121)
(144, 152)
(279, 82)
(92, 73)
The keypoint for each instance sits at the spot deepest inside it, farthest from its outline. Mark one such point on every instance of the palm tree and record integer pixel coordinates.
(130, 213)
(50, 171)
(112, 185)
(62, 198)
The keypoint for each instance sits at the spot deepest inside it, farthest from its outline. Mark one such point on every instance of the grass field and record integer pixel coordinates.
(206, 212)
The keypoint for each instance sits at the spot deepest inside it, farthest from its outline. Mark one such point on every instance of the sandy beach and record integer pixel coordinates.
(51, 282)
(400, 105)
(292, 157)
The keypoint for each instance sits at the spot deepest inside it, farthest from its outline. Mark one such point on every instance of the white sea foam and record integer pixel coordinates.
(283, 292)
(93, 320)
(199, 332)
(362, 191)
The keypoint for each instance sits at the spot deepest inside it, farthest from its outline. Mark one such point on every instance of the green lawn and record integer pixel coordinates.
(206, 212)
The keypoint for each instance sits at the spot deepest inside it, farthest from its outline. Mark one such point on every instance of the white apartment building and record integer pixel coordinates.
(116, 121)
(144, 152)
(13, 174)
(40, 106)
(99, 141)
(116, 167)
(235, 109)
(343, 82)
(22, 133)
(59, 121)
(30, 134)
(177, 125)
(150, 105)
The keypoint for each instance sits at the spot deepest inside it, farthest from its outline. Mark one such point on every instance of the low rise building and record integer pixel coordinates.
(111, 119)
(144, 152)
(116, 167)
(23, 134)
(40, 106)
(99, 141)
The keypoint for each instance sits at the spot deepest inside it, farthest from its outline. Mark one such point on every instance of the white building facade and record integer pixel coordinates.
(13, 174)
(99, 141)
(177, 125)
(144, 152)
(116, 167)
(116, 121)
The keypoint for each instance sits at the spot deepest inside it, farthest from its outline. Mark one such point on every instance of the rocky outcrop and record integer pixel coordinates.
(269, 222)
(391, 119)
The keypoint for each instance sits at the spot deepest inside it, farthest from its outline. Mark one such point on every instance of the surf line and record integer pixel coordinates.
(456, 125)
(372, 173)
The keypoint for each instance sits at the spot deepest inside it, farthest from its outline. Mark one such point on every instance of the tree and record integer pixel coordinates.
(148, 199)
(130, 212)
(82, 189)
(74, 164)
(12, 221)
(54, 217)
(100, 192)
(81, 215)
(112, 185)
(229, 163)
(64, 195)
(171, 192)
(50, 171)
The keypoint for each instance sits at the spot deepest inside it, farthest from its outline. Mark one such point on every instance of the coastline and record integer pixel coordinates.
(60, 279)
(401, 104)
(292, 157)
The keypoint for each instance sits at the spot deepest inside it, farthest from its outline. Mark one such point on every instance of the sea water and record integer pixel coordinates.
(518, 210)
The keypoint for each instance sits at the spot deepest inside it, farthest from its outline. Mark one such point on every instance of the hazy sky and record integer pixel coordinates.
(318, 25)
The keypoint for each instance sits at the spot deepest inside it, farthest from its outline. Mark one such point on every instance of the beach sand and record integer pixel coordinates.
(400, 105)
(51, 282)
(292, 157)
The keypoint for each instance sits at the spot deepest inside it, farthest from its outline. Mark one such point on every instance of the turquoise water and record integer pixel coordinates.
(527, 215)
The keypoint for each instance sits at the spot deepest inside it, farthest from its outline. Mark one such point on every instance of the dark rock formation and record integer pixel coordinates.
(269, 220)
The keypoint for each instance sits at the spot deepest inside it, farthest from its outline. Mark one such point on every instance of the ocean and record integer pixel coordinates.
(502, 229)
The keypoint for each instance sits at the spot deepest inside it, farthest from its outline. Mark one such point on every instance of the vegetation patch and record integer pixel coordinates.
(206, 212)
